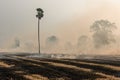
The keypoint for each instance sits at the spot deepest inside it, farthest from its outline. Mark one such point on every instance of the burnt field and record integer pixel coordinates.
(20, 67)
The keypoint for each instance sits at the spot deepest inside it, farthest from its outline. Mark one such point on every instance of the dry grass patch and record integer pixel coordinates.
(2, 64)
(107, 79)
(100, 65)
(35, 77)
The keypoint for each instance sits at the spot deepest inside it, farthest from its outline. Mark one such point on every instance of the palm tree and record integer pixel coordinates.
(39, 16)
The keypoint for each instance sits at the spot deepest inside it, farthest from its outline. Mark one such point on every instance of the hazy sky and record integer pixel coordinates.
(66, 19)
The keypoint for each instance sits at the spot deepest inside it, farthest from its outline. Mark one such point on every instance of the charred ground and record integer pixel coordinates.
(19, 67)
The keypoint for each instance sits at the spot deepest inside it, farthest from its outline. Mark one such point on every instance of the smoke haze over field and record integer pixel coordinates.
(66, 22)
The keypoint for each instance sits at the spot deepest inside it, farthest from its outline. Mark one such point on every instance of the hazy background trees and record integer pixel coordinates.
(51, 41)
(102, 33)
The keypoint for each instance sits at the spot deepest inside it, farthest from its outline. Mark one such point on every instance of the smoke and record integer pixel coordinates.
(68, 47)
(16, 44)
(82, 41)
(101, 41)
(83, 44)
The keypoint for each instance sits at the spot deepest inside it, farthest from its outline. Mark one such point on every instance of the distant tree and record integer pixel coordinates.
(103, 32)
(39, 16)
(52, 40)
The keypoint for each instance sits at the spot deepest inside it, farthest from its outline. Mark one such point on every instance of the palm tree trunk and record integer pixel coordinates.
(39, 35)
